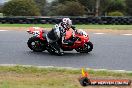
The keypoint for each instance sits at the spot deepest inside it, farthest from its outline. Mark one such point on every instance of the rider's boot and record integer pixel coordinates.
(59, 51)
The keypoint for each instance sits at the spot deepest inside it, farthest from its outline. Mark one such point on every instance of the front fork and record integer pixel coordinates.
(84, 42)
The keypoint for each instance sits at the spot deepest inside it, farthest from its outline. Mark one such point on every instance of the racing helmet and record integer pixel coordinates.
(63, 25)
(67, 21)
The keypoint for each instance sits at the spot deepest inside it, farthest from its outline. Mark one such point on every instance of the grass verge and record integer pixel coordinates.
(83, 26)
(34, 77)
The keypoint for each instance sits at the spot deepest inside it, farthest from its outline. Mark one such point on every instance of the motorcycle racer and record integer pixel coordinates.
(69, 33)
(53, 37)
(60, 32)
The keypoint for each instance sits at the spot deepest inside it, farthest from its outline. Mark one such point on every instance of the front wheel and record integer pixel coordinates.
(36, 44)
(88, 47)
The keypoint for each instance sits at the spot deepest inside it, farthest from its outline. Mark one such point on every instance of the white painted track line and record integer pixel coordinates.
(99, 33)
(3, 30)
(106, 33)
(127, 34)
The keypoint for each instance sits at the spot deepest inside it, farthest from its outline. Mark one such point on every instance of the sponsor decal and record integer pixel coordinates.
(85, 80)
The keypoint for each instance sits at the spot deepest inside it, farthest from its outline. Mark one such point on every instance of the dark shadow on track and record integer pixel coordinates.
(66, 54)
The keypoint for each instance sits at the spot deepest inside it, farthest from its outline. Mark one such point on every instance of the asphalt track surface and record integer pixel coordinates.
(113, 52)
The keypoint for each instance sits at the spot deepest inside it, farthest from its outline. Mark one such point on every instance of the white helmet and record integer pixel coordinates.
(67, 21)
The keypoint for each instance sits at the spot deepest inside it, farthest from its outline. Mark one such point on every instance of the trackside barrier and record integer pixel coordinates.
(76, 20)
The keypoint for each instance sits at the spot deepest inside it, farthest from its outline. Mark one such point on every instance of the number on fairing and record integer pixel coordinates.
(36, 33)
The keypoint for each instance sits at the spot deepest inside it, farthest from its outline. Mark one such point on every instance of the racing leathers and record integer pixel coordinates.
(54, 36)
(57, 33)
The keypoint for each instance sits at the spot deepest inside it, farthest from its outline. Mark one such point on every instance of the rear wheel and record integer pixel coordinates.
(36, 44)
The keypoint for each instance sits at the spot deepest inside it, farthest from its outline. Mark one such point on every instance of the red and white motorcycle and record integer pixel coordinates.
(38, 42)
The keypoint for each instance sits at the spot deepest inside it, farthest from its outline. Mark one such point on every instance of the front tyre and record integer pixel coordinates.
(88, 47)
(36, 44)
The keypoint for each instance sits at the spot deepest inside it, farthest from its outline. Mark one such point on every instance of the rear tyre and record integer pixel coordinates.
(36, 44)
